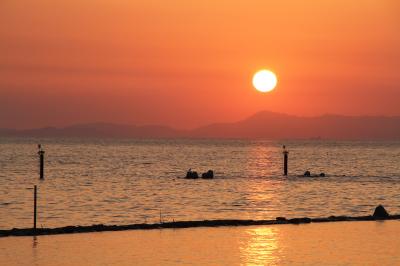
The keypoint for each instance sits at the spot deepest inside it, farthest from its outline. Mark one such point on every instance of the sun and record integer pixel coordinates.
(264, 80)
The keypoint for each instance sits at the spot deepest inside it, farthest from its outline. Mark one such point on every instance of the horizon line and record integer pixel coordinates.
(127, 124)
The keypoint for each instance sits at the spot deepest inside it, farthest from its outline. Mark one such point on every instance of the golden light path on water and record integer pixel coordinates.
(340, 243)
(261, 246)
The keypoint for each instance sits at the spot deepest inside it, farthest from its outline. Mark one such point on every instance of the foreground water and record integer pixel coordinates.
(371, 243)
(137, 181)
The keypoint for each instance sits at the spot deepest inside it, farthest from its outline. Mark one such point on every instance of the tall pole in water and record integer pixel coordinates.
(41, 161)
(34, 206)
(285, 161)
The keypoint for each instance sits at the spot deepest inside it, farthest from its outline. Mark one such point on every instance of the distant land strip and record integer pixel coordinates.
(262, 125)
(185, 224)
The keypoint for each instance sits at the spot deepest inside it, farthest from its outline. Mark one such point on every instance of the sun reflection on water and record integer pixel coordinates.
(260, 246)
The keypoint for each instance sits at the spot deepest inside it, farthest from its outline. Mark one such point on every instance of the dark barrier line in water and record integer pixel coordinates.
(184, 224)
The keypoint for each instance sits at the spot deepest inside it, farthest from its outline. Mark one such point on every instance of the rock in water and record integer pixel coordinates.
(380, 212)
(208, 175)
(191, 175)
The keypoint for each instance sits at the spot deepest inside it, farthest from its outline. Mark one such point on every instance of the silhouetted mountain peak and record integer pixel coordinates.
(265, 124)
(266, 114)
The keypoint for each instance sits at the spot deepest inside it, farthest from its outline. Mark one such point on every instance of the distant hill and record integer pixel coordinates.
(267, 125)
(98, 130)
(271, 125)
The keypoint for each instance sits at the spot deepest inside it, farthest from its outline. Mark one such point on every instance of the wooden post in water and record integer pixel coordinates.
(285, 161)
(34, 206)
(41, 161)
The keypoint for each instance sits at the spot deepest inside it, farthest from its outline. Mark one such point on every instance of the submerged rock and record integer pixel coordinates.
(208, 175)
(380, 212)
(308, 174)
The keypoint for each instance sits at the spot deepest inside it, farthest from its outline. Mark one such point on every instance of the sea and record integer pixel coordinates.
(127, 181)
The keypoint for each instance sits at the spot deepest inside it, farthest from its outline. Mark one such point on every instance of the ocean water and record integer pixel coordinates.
(140, 181)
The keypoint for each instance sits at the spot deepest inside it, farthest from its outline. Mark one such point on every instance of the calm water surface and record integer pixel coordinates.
(134, 181)
(342, 243)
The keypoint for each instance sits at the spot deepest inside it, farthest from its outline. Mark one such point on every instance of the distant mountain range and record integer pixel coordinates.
(266, 125)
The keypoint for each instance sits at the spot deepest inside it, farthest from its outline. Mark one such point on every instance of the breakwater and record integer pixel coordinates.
(185, 224)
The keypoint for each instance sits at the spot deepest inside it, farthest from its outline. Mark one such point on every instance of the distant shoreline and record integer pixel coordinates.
(261, 125)
(185, 224)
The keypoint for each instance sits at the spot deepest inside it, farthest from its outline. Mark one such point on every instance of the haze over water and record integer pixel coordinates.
(132, 181)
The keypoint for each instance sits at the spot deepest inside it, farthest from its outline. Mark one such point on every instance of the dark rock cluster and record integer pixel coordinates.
(208, 175)
(308, 174)
(194, 175)
(191, 175)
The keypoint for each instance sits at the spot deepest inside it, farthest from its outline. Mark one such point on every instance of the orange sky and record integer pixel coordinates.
(189, 63)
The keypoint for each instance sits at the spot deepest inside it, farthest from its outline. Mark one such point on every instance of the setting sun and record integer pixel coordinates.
(264, 80)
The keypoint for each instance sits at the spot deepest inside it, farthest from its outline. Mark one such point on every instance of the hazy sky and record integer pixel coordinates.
(189, 63)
